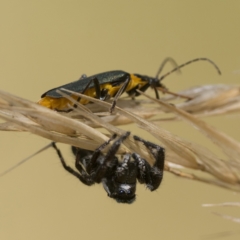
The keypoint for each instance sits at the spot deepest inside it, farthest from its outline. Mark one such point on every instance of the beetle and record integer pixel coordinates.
(110, 84)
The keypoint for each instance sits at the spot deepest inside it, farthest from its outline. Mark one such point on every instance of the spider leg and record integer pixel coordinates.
(107, 162)
(95, 155)
(143, 171)
(92, 161)
(114, 148)
(150, 175)
(83, 177)
(126, 170)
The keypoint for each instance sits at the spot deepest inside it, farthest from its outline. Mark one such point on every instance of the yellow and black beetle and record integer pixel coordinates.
(106, 85)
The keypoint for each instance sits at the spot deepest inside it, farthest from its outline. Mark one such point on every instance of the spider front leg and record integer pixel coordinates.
(91, 162)
(110, 161)
(150, 175)
(96, 164)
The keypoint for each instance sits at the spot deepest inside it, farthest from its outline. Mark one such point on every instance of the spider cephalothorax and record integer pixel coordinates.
(119, 178)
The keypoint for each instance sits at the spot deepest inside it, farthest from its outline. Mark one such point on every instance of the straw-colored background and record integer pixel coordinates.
(48, 43)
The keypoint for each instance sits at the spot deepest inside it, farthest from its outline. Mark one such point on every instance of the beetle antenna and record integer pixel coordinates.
(24, 160)
(191, 61)
(168, 59)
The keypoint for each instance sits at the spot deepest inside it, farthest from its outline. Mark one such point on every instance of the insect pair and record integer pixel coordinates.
(119, 178)
(111, 84)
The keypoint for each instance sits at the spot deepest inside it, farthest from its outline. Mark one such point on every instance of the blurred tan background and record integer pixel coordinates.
(45, 44)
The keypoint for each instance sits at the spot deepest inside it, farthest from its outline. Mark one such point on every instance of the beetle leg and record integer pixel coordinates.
(83, 76)
(119, 93)
(96, 85)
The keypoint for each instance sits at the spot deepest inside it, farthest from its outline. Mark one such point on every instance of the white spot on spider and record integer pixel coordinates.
(125, 187)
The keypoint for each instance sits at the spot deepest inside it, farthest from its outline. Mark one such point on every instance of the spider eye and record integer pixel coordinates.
(121, 192)
(125, 193)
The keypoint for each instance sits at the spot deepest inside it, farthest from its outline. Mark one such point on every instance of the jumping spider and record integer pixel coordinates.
(119, 178)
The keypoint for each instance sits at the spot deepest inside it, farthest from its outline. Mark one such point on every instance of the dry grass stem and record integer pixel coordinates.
(210, 100)
(225, 204)
(231, 218)
(78, 128)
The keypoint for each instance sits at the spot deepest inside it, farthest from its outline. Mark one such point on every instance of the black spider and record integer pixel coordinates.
(119, 178)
